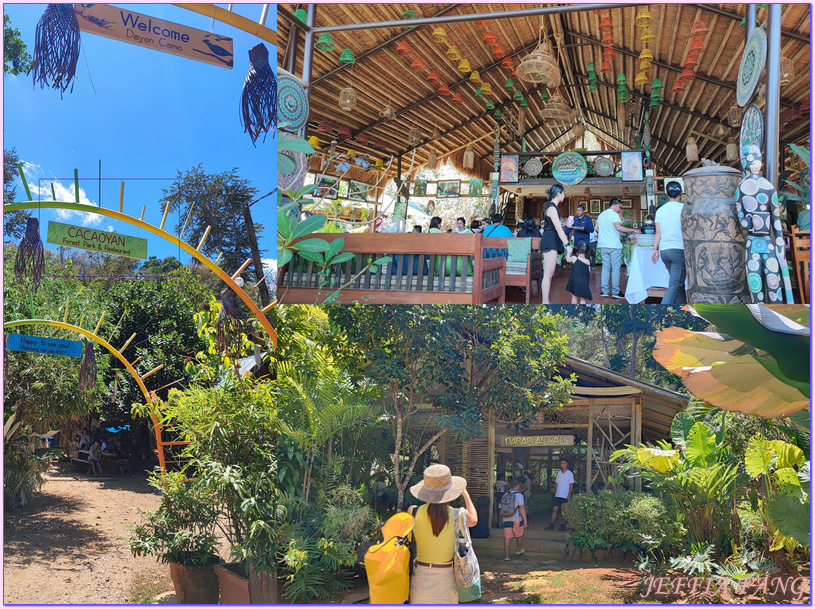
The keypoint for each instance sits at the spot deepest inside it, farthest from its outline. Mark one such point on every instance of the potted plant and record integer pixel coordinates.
(182, 533)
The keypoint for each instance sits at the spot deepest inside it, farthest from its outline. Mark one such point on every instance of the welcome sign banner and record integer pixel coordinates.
(42, 344)
(157, 34)
(94, 240)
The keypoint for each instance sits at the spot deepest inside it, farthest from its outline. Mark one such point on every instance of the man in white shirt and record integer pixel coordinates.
(563, 492)
(609, 227)
(668, 244)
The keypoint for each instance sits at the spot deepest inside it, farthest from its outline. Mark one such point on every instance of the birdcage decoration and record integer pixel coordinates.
(403, 49)
(498, 52)
(344, 133)
(643, 18)
(457, 99)
(608, 40)
(490, 105)
(579, 129)
(475, 77)
(408, 14)
(678, 86)
(647, 35)
(486, 88)
(348, 99)
(490, 39)
(696, 46)
(517, 96)
(787, 70)
(556, 109)
(417, 64)
(641, 79)
(414, 136)
(325, 43)
(540, 66)
(433, 78)
(609, 54)
(453, 54)
(509, 84)
(443, 89)
(387, 112)
(507, 63)
(439, 35)
(605, 67)
(687, 75)
(362, 139)
(606, 25)
(732, 149)
(347, 56)
(698, 30)
(691, 149)
(498, 115)
(479, 94)
(324, 127)
(464, 66)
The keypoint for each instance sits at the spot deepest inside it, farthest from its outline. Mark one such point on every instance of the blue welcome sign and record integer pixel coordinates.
(41, 344)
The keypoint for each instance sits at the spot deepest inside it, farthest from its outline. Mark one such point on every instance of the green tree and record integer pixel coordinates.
(464, 362)
(223, 202)
(16, 59)
(165, 266)
(14, 221)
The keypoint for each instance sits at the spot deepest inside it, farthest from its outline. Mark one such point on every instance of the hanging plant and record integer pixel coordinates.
(259, 95)
(56, 48)
(30, 259)
(88, 369)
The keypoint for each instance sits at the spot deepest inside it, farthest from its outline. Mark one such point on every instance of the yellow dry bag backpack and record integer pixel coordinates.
(388, 563)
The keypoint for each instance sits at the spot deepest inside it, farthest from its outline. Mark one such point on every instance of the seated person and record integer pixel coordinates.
(435, 225)
(122, 463)
(417, 228)
(528, 229)
(461, 227)
(475, 226)
(95, 458)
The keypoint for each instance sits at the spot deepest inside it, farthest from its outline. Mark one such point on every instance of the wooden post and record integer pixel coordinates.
(638, 481)
(589, 441)
(491, 466)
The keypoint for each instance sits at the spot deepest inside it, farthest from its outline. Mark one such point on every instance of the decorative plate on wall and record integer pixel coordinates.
(569, 168)
(292, 102)
(604, 167)
(752, 129)
(533, 167)
(752, 66)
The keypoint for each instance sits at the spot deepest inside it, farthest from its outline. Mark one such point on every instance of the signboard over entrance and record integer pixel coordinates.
(157, 34)
(94, 240)
(529, 441)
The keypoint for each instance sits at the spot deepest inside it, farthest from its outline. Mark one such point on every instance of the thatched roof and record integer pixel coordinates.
(380, 75)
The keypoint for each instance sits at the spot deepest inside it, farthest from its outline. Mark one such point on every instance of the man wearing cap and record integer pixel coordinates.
(609, 227)
(515, 524)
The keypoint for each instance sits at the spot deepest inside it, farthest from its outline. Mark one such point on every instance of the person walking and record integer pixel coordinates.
(553, 239)
(513, 512)
(578, 285)
(563, 492)
(669, 245)
(433, 581)
(609, 227)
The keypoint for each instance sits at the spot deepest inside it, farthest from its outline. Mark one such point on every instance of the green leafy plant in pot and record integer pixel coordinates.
(182, 533)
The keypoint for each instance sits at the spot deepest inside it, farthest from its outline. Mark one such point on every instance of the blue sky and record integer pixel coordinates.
(146, 115)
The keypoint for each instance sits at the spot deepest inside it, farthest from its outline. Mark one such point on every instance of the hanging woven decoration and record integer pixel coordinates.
(30, 258)
(479, 94)
(403, 49)
(486, 88)
(645, 66)
(439, 35)
(522, 122)
(524, 103)
(734, 116)
(433, 78)
(387, 112)
(691, 150)
(453, 54)
(593, 86)
(56, 48)
(518, 96)
(646, 55)
(578, 130)
(414, 136)
(227, 326)
(464, 66)
(606, 68)
(509, 84)
(544, 94)
(292, 102)
(787, 71)
(606, 25)
(507, 63)
(687, 75)
(325, 43)
(647, 35)
(540, 66)
(608, 40)
(696, 46)
(490, 105)
(490, 39)
(482, 23)
(621, 79)
(590, 69)
(362, 138)
(347, 56)
(456, 99)
(314, 142)
(348, 99)
(469, 158)
(622, 94)
(259, 96)
(301, 14)
(643, 18)
(324, 127)
(436, 133)
(656, 85)
(498, 52)
(678, 86)
(88, 371)
(408, 14)
(609, 54)
(641, 79)
(432, 159)
(498, 115)
(557, 109)
(475, 77)
(344, 133)
(444, 90)
(698, 30)
(379, 164)
(721, 130)
(417, 64)
(691, 61)
(732, 149)
(656, 98)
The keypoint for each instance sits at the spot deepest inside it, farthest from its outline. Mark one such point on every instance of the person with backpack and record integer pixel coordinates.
(513, 512)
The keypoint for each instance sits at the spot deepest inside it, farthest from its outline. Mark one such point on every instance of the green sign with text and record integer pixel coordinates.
(94, 240)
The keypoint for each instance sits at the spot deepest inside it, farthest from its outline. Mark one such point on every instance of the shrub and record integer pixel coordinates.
(539, 502)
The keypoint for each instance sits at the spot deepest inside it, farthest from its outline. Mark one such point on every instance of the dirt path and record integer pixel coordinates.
(69, 545)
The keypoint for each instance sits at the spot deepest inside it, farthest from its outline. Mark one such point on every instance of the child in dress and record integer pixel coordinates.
(578, 285)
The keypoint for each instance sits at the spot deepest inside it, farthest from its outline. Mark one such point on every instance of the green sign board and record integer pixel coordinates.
(94, 240)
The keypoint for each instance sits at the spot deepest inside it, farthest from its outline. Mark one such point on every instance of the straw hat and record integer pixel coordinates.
(438, 486)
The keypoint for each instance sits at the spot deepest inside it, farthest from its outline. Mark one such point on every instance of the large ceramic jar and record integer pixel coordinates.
(714, 242)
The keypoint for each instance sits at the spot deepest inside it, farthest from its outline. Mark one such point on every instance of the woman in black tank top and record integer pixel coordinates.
(553, 240)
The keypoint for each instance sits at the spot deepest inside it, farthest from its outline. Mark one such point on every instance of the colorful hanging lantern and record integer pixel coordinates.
(479, 94)
(486, 88)
(592, 87)
(490, 104)
(444, 90)
(498, 52)
(643, 18)
(453, 54)
(433, 78)
(524, 103)
(606, 25)
(590, 68)
(518, 96)
(490, 39)
(698, 30)
(621, 79)
(497, 115)
(344, 133)
(609, 54)
(605, 68)
(325, 43)
(608, 40)
(678, 86)
(691, 61)
(362, 139)
(647, 35)
(696, 45)
(403, 49)
(645, 66)
(464, 66)
(646, 55)
(439, 35)
(687, 75)
(656, 85)
(314, 142)
(509, 84)
(456, 99)
(508, 64)
(641, 79)
(301, 14)
(545, 95)
(408, 14)
(475, 77)
(347, 56)
(417, 64)
(324, 127)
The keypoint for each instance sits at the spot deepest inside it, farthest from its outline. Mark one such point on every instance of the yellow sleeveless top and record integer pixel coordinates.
(434, 549)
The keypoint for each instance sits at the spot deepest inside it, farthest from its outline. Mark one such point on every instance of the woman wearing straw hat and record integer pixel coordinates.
(433, 581)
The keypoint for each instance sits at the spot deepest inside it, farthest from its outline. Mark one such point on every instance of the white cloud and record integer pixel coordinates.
(110, 229)
(41, 189)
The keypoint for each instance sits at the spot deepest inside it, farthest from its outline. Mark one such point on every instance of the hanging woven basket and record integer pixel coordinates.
(453, 54)
(456, 99)
(691, 61)
(507, 63)
(643, 18)
(464, 66)
(647, 35)
(698, 30)
(432, 159)
(417, 64)
(325, 43)
(678, 86)
(556, 109)
(439, 35)
(490, 39)
(732, 149)
(609, 54)
(787, 71)
(641, 79)
(475, 77)
(691, 150)
(362, 138)
(490, 105)
(433, 78)
(578, 130)
(403, 49)
(687, 75)
(608, 40)
(469, 158)
(347, 56)
(498, 52)
(348, 99)
(324, 127)
(645, 66)
(387, 112)
(414, 136)
(486, 88)
(606, 25)
(656, 84)
(646, 55)
(696, 46)
(606, 68)
(444, 90)
(540, 66)
(344, 133)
